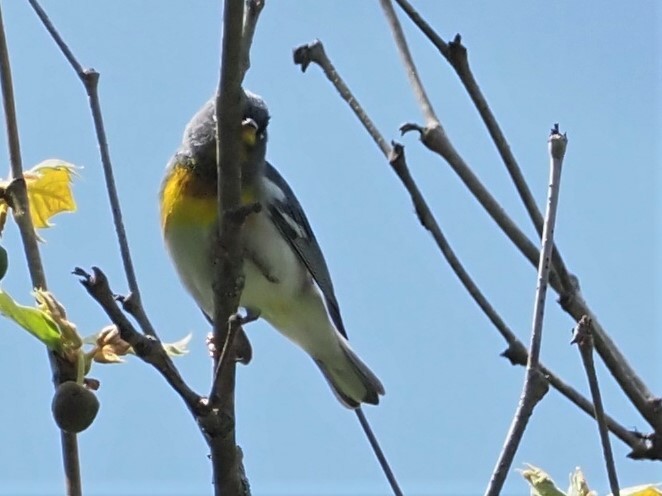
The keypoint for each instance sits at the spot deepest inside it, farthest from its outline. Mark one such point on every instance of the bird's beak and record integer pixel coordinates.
(249, 131)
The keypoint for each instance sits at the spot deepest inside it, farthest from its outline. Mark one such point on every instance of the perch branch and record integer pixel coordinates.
(62, 370)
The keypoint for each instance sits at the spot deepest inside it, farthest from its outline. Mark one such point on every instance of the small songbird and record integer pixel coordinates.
(287, 281)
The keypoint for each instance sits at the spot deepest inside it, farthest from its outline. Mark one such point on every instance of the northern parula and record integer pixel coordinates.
(287, 281)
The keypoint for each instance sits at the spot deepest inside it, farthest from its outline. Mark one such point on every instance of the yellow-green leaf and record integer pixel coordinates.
(578, 484)
(541, 483)
(49, 190)
(33, 320)
(643, 490)
(47, 302)
(178, 347)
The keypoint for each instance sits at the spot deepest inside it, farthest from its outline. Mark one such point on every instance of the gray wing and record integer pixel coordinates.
(288, 216)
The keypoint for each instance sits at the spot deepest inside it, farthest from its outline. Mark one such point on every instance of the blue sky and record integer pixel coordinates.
(595, 68)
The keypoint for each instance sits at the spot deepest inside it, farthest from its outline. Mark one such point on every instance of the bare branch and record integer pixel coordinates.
(304, 55)
(229, 476)
(251, 15)
(314, 53)
(90, 80)
(516, 352)
(377, 449)
(531, 391)
(582, 336)
(535, 389)
(564, 283)
(456, 54)
(226, 355)
(62, 370)
(408, 62)
(146, 347)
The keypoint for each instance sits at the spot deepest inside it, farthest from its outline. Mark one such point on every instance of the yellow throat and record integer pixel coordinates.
(189, 199)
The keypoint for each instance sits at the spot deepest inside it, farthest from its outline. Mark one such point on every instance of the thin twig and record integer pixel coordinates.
(407, 61)
(564, 283)
(304, 55)
(377, 449)
(314, 52)
(62, 371)
(434, 137)
(646, 403)
(90, 80)
(225, 356)
(456, 54)
(531, 392)
(516, 352)
(535, 389)
(146, 347)
(583, 337)
(251, 15)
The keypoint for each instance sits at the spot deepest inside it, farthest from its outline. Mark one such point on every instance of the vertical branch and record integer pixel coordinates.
(228, 262)
(90, 80)
(583, 337)
(557, 146)
(21, 209)
(535, 385)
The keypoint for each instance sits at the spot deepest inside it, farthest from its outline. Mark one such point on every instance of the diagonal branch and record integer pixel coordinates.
(516, 352)
(561, 280)
(90, 80)
(304, 55)
(456, 54)
(62, 370)
(583, 337)
(146, 347)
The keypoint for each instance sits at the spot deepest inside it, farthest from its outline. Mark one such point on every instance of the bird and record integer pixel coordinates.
(287, 281)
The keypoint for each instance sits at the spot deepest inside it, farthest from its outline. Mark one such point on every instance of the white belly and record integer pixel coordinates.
(288, 298)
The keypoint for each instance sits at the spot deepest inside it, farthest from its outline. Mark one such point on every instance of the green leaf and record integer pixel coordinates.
(541, 483)
(175, 349)
(33, 320)
(178, 347)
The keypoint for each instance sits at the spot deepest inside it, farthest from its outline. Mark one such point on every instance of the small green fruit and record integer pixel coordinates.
(74, 407)
(4, 262)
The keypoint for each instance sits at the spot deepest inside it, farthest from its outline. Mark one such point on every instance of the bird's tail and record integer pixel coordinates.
(351, 380)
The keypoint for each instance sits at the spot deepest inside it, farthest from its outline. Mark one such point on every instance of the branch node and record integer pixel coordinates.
(557, 143)
(396, 157)
(457, 53)
(411, 126)
(539, 386)
(582, 334)
(516, 353)
(303, 55)
(215, 423)
(90, 78)
(15, 190)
